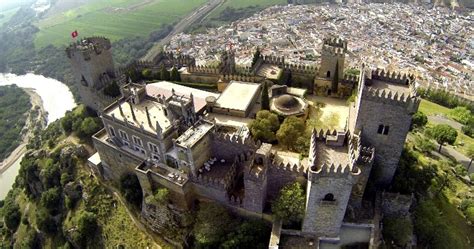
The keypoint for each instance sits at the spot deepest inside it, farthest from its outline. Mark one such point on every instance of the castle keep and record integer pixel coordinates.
(197, 144)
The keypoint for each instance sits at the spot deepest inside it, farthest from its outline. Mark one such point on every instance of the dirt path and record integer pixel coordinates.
(21, 149)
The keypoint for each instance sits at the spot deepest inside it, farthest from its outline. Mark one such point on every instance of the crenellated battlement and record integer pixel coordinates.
(392, 77)
(88, 46)
(301, 69)
(406, 100)
(293, 168)
(204, 69)
(244, 78)
(335, 42)
(360, 154)
(333, 51)
(349, 79)
(243, 140)
(333, 170)
(274, 60)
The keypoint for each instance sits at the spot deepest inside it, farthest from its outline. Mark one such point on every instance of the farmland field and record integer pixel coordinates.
(114, 19)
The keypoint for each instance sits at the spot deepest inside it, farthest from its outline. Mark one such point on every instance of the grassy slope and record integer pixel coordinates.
(99, 18)
(451, 196)
(430, 108)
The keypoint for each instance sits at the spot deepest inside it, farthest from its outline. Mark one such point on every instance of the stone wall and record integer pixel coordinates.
(115, 162)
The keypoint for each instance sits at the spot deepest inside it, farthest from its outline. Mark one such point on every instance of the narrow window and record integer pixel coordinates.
(328, 74)
(112, 131)
(137, 141)
(153, 147)
(123, 135)
(385, 131)
(380, 130)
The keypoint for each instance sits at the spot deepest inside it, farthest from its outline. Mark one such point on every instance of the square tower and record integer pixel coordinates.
(333, 55)
(383, 113)
(93, 68)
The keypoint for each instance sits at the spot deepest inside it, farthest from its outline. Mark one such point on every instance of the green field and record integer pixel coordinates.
(114, 19)
(430, 108)
(5, 15)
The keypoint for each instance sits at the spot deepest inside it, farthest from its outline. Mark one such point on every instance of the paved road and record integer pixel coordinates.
(439, 119)
(187, 21)
(462, 159)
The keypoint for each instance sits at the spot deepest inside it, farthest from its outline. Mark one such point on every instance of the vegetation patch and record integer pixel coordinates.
(14, 105)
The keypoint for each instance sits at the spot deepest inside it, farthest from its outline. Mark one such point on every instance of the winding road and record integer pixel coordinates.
(187, 21)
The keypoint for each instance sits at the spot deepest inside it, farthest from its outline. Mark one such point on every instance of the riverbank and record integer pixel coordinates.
(31, 125)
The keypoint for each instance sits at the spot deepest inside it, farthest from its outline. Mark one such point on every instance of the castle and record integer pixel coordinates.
(192, 142)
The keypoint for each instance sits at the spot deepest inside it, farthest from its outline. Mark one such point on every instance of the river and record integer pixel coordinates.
(57, 99)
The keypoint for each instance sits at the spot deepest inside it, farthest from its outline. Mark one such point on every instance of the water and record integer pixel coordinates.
(57, 99)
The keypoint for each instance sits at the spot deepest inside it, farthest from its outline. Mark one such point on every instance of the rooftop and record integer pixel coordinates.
(238, 95)
(155, 110)
(194, 134)
(331, 154)
(165, 88)
(399, 88)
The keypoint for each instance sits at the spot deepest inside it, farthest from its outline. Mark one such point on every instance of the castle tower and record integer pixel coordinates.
(328, 190)
(333, 55)
(382, 114)
(255, 179)
(93, 67)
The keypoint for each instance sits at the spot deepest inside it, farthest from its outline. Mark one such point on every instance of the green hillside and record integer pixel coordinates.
(115, 19)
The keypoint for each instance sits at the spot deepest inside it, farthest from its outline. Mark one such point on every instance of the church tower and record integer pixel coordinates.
(93, 68)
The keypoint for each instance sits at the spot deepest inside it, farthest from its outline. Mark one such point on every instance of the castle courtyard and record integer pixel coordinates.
(327, 113)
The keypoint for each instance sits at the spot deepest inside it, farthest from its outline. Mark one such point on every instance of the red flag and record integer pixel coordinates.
(74, 34)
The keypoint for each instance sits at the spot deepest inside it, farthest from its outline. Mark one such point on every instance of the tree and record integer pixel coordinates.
(291, 128)
(265, 99)
(112, 90)
(250, 234)
(419, 119)
(397, 230)
(12, 215)
(290, 204)
(131, 189)
(461, 114)
(51, 200)
(147, 73)
(212, 224)
(175, 75)
(45, 221)
(424, 144)
(265, 126)
(89, 126)
(50, 174)
(256, 55)
(86, 228)
(443, 133)
(165, 74)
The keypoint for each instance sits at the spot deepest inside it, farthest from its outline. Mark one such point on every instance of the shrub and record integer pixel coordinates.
(397, 230)
(419, 119)
(250, 234)
(45, 221)
(213, 222)
(131, 189)
(291, 128)
(11, 215)
(51, 200)
(290, 204)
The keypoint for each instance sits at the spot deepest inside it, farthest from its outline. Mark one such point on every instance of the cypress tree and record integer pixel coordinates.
(175, 75)
(165, 74)
(265, 99)
(255, 56)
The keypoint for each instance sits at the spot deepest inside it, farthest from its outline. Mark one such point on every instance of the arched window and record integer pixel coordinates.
(328, 74)
(329, 197)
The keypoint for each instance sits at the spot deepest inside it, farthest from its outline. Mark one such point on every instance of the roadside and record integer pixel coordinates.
(30, 126)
